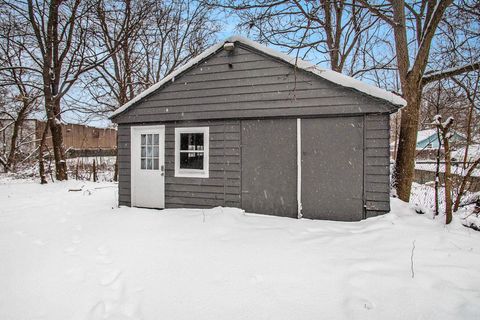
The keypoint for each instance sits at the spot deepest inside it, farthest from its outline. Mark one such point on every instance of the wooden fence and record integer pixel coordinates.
(82, 137)
(428, 176)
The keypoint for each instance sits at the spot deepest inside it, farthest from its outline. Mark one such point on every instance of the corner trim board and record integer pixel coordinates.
(299, 168)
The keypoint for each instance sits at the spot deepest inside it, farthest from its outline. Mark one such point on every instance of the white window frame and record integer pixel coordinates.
(193, 173)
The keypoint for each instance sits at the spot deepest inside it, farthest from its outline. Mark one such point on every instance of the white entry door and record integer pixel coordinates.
(148, 166)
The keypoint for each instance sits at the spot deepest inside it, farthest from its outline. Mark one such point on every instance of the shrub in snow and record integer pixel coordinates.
(471, 217)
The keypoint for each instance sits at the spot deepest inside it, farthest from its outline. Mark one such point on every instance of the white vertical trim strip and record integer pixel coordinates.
(299, 168)
(132, 166)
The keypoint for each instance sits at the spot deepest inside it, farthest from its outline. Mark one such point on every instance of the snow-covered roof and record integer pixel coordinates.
(326, 74)
(425, 134)
(473, 153)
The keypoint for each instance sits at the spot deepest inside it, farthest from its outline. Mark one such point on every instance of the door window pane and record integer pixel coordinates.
(149, 151)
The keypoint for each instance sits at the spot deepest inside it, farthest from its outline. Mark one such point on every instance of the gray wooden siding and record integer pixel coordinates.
(222, 188)
(123, 144)
(377, 164)
(248, 84)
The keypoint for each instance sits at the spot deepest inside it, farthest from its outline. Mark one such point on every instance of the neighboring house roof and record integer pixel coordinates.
(326, 74)
(425, 137)
(425, 134)
(473, 153)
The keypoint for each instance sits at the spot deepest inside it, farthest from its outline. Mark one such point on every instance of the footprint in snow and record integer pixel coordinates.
(109, 277)
(70, 250)
(20, 233)
(76, 274)
(101, 259)
(97, 312)
(256, 279)
(103, 250)
(112, 310)
(76, 239)
(39, 242)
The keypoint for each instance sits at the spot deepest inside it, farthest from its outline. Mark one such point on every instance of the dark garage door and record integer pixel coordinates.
(332, 168)
(269, 167)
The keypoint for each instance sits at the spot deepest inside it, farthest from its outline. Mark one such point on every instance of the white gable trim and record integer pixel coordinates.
(326, 74)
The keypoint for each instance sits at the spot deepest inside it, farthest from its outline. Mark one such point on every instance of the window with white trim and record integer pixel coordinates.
(191, 152)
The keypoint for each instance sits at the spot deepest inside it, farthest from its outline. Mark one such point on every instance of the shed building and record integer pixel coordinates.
(243, 125)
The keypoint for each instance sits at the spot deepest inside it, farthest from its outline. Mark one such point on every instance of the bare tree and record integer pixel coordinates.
(331, 29)
(471, 160)
(21, 92)
(175, 32)
(161, 37)
(414, 26)
(63, 49)
(444, 129)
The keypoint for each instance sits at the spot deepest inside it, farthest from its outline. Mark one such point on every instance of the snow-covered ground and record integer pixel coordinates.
(75, 255)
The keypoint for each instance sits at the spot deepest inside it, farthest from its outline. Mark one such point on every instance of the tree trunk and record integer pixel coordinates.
(437, 170)
(57, 140)
(405, 162)
(13, 145)
(41, 148)
(18, 123)
(448, 181)
(94, 170)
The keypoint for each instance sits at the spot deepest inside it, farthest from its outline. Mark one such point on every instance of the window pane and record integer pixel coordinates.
(143, 152)
(155, 151)
(155, 164)
(184, 137)
(143, 164)
(191, 160)
(149, 164)
(191, 141)
(143, 137)
(149, 139)
(155, 139)
(198, 141)
(149, 151)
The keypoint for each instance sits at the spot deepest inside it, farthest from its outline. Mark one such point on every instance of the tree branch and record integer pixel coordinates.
(442, 74)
